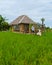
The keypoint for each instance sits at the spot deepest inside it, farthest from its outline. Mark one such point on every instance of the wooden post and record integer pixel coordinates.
(12, 29)
(29, 28)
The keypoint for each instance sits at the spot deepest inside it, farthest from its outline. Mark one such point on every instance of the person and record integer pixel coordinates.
(32, 29)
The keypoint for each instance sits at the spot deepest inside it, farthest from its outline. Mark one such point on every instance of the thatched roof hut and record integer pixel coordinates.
(22, 23)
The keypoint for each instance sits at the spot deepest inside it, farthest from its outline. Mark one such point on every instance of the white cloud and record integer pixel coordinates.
(35, 9)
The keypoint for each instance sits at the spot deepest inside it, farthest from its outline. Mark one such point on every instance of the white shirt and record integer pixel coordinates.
(32, 28)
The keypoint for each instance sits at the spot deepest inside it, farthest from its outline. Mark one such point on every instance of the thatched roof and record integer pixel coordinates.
(22, 19)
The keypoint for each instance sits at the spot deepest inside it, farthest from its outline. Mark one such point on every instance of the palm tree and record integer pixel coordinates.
(43, 25)
(42, 19)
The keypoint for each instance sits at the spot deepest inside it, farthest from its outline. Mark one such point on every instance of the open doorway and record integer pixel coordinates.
(26, 28)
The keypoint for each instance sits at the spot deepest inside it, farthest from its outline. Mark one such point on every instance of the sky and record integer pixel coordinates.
(35, 9)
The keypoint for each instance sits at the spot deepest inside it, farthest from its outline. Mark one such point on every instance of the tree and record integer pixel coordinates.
(43, 25)
(1, 20)
(3, 25)
(42, 19)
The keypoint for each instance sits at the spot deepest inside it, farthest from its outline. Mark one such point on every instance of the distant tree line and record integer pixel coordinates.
(3, 24)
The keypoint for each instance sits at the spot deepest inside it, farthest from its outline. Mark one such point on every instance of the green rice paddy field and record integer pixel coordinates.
(25, 49)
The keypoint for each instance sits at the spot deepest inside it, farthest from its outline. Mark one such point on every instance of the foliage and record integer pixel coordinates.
(3, 25)
(42, 19)
(30, 25)
(25, 49)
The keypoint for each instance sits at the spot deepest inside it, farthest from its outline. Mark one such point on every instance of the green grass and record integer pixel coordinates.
(25, 49)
